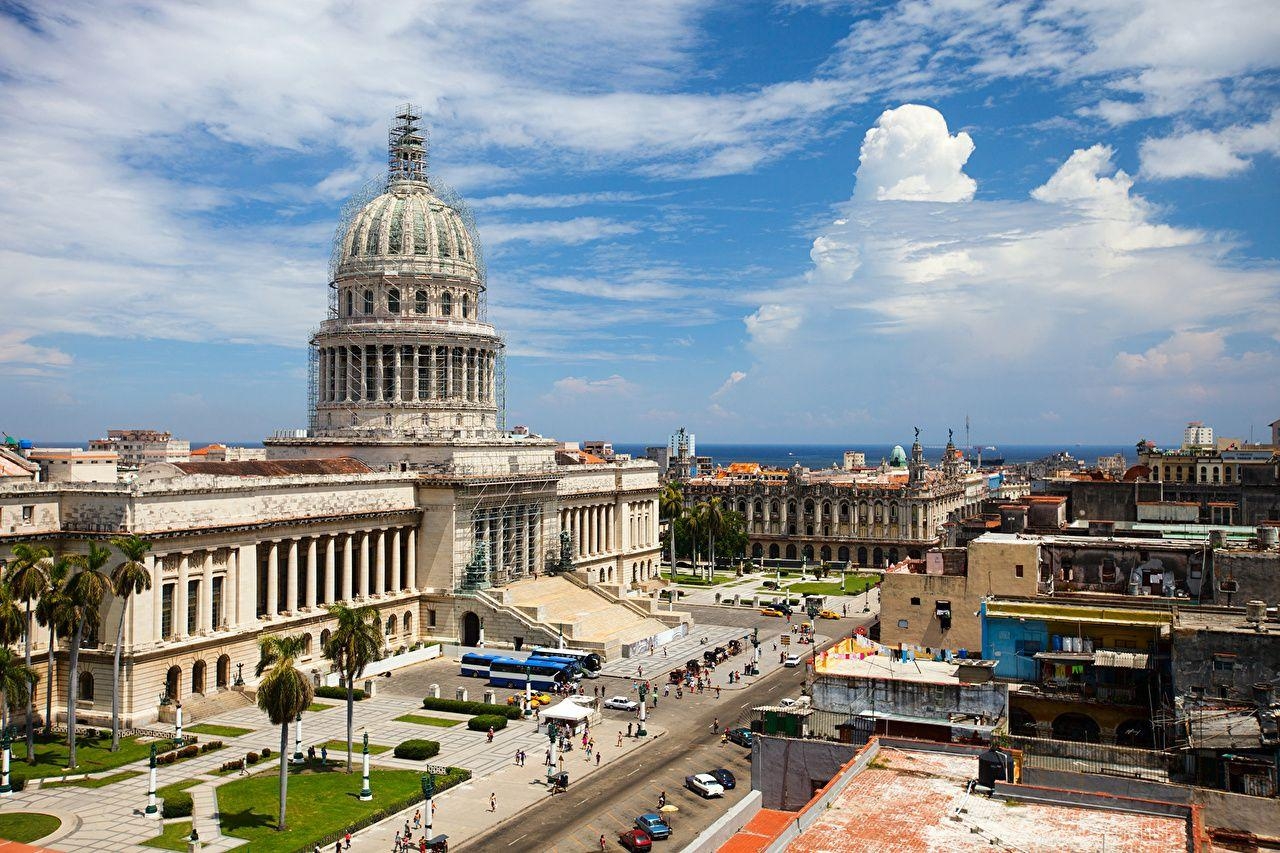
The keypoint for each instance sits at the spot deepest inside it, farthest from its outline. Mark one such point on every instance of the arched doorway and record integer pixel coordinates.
(172, 683)
(826, 553)
(773, 551)
(757, 550)
(470, 629)
(862, 556)
(893, 556)
(791, 552)
(877, 557)
(843, 554)
(808, 553)
(1136, 733)
(223, 671)
(1076, 727)
(197, 677)
(1021, 723)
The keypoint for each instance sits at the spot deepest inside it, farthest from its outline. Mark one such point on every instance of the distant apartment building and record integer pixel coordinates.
(138, 447)
(603, 449)
(1197, 435)
(74, 465)
(853, 460)
(223, 453)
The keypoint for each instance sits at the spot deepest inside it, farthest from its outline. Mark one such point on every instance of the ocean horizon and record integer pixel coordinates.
(825, 455)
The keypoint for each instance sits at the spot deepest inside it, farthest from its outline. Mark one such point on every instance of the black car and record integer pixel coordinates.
(725, 778)
(740, 736)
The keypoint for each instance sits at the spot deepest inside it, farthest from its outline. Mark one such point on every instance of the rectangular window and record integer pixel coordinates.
(431, 618)
(218, 583)
(915, 600)
(902, 623)
(1224, 663)
(28, 514)
(166, 611)
(1017, 570)
(193, 606)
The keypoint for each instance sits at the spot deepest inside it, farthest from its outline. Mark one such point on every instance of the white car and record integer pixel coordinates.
(786, 702)
(621, 703)
(792, 660)
(704, 784)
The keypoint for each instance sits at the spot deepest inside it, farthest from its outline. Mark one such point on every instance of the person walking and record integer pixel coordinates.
(347, 841)
(619, 737)
(717, 692)
(597, 759)
(417, 818)
(490, 734)
(517, 758)
(493, 802)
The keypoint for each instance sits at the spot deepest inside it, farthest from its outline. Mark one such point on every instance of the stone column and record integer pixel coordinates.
(417, 374)
(380, 562)
(394, 585)
(377, 374)
(155, 565)
(411, 555)
(312, 554)
(291, 579)
(432, 392)
(180, 597)
(397, 391)
(348, 567)
(499, 543)
(273, 580)
(531, 537)
(206, 595)
(363, 585)
(330, 561)
(448, 372)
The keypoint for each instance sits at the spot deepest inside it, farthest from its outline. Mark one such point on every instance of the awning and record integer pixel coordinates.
(1074, 657)
(1120, 660)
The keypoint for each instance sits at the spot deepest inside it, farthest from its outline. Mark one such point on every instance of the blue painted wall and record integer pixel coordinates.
(1011, 642)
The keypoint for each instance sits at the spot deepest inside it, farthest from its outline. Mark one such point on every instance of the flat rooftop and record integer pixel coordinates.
(852, 659)
(906, 801)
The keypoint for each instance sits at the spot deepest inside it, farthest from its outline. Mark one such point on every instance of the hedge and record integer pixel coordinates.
(328, 692)
(418, 749)
(453, 776)
(177, 804)
(484, 722)
(458, 706)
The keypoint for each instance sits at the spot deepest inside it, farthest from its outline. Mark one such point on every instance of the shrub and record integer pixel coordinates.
(266, 752)
(484, 722)
(189, 751)
(338, 692)
(236, 764)
(457, 706)
(211, 746)
(419, 750)
(251, 757)
(177, 804)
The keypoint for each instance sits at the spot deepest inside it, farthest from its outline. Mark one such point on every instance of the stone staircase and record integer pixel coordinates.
(196, 708)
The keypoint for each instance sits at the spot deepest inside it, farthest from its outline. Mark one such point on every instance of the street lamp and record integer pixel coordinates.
(6, 790)
(152, 811)
(366, 793)
(553, 749)
(644, 695)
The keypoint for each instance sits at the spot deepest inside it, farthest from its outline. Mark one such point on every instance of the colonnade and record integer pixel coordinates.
(596, 530)
(512, 537)
(406, 373)
(202, 578)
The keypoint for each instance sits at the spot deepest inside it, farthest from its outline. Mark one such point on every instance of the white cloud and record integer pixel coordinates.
(523, 201)
(1208, 153)
(1083, 182)
(569, 232)
(579, 386)
(772, 325)
(734, 378)
(909, 155)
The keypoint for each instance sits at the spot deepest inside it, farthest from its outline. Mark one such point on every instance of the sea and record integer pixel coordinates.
(825, 455)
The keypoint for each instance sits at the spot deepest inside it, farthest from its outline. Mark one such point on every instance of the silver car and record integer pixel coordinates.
(621, 703)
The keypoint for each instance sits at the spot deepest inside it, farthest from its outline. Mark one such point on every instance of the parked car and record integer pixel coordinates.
(782, 606)
(725, 778)
(654, 826)
(770, 611)
(792, 660)
(740, 736)
(786, 702)
(705, 785)
(828, 614)
(621, 703)
(635, 840)
(537, 699)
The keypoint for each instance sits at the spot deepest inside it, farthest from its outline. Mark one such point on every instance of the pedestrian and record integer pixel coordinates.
(324, 756)
(347, 841)
(715, 725)
(417, 818)
(493, 802)
(490, 734)
(407, 833)
(337, 847)
(628, 729)
(666, 690)
(717, 692)
(422, 844)
(619, 737)
(662, 800)
(548, 760)
(597, 759)
(844, 610)
(395, 843)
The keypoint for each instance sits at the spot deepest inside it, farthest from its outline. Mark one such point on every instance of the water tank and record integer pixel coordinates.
(1268, 537)
(994, 766)
(1255, 612)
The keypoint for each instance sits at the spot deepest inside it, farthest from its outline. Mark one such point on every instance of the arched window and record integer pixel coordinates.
(391, 625)
(393, 300)
(86, 687)
(324, 638)
(844, 511)
(351, 303)
(420, 302)
(466, 306)
(773, 551)
(758, 508)
(407, 624)
(446, 304)
(368, 302)
(808, 507)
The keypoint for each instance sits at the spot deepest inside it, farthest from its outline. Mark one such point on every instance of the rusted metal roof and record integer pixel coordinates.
(276, 468)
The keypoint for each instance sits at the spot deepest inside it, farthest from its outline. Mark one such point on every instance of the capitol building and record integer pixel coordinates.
(405, 492)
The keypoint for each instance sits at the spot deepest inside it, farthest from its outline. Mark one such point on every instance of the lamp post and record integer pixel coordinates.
(644, 694)
(177, 733)
(528, 691)
(6, 790)
(553, 735)
(366, 793)
(428, 791)
(151, 810)
(297, 742)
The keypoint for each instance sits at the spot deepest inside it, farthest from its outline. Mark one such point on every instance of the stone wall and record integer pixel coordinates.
(1256, 573)
(848, 695)
(1210, 661)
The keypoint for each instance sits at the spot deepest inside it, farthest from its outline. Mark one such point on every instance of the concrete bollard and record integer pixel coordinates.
(491, 697)
(370, 687)
(460, 694)
(434, 691)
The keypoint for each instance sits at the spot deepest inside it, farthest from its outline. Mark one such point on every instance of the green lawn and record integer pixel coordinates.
(851, 585)
(320, 803)
(700, 580)
(341, 746)
(174, 836)
(100, 782)
(439, 722)
(27, 826)
(216, 730)
(92, 756)
(169, 790)
(318, 706)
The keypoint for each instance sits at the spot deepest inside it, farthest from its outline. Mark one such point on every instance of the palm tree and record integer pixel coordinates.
(355, 643)
(85, 592)
(130, 577)
(53, 611)
(16, 679)
(671, 508)
(284, 693)
(714, 520)
(29, 578)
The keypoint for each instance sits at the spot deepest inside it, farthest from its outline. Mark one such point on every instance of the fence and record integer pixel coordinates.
(1048, 754)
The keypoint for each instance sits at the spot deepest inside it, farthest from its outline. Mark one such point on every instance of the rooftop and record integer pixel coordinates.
(852, 659)
(278, 468)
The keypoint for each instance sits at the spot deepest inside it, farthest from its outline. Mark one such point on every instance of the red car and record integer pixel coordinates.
(635, 839)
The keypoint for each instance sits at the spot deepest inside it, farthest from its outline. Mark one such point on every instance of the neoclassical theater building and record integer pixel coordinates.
(404, 492)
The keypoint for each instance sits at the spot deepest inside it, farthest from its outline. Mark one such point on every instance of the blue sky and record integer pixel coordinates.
(806, 221)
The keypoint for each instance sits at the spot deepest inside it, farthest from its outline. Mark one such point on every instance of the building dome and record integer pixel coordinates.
(408, 225)
(898, 457)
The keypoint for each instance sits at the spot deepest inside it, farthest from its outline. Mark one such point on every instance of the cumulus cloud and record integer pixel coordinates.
(734, 378)
(909, 155)
(772, 324)
(580, 386)
(1209, 153)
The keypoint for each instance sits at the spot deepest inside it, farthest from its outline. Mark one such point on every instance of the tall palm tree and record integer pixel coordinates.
(16, 679)
(29, 578)
(85, 592)
(284, 693)
(714, 521)
(54, 612)
(128, 578)
(355, 643)
(671, 508)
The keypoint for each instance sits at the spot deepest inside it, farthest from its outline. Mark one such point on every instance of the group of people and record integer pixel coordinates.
(404, 842)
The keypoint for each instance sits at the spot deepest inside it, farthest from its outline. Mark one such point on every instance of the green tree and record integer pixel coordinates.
(355, 643)
(671, 508)
(283, 693)
(128, 579)
(713, 524)
(29, 578)
(732, 539)
(85, 592)
(53, 611)
(16, 679)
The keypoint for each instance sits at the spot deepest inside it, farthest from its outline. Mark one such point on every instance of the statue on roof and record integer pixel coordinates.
(917, 429)
(950, 434)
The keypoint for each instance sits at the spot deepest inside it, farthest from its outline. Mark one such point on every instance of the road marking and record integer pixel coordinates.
(521, 838)
(580, 802)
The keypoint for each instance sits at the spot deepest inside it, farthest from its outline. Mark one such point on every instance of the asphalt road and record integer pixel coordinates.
(610, 800)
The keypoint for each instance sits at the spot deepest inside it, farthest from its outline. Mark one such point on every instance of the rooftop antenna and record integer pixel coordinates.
(407, 147)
